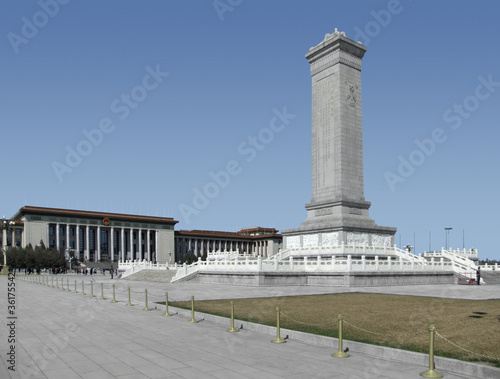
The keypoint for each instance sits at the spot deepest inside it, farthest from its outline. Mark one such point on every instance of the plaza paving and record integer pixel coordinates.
(62, 334)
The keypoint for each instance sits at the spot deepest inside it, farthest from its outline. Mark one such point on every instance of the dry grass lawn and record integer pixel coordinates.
(389, 320)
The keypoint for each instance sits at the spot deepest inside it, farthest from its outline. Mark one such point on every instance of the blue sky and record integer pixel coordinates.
(139, 106)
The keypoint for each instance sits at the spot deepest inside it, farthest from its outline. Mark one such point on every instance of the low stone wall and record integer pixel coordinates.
(353, 279)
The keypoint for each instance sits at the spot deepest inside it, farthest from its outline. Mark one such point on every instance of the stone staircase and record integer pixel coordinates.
(162, 276)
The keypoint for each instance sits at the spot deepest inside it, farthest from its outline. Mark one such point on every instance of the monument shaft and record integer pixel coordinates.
(338, 206)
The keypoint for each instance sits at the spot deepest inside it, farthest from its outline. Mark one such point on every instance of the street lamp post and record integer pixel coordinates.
(447, 236)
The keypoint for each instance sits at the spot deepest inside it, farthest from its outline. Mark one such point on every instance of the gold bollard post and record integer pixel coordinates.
(431, 373)
(192, 311)
(75, 287)
(278, 338)
(129, 303)
(92, 289)
(340, 353)
(62, 284)
(102, 291)
(232, 329)
(52, 281)
(83, 291)
(57, 283)
(146, 295)
(113, 301)
(67, 285)
(166, 305)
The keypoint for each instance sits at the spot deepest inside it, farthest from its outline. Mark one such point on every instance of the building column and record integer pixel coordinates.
(47, 240)
(122, 244)
(148, 241)
(131, 247)
(66, 252)
(87, 243)
(156, 247)
(112, 243)
(57, 237)
(98, 257)
(77, 242)
(139, 244)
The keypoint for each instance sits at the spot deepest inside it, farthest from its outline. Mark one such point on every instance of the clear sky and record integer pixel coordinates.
(163, 108)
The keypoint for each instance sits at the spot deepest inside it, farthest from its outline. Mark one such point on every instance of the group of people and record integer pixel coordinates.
(92, 271)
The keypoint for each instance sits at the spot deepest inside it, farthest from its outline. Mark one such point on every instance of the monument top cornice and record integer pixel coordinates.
(334, 41)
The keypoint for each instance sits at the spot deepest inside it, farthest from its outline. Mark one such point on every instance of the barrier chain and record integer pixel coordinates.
(464, 349)
(307, 323)
(384, 334)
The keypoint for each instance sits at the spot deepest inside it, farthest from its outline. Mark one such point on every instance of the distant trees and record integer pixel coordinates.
(190, 257)
(38, 257)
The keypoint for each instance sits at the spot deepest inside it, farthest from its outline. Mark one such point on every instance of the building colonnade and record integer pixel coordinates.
(96, 243)
(200, 246)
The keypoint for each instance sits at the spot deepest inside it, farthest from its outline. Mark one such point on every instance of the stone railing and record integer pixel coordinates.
(460, 260)
(218, 255)
(127, 268)
(318, 264)
(337, 250)
(489, 267)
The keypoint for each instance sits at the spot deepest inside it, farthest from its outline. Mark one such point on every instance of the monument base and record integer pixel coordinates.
(331, 279)
(334, 224)
(5, 270)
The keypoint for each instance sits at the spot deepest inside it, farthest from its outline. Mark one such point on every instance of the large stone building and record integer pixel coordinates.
(256, 241)
(111, 237)
(94, 236)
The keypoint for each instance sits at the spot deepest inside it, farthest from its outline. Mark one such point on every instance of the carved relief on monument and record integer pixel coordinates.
(292, 242)
(323, 102)
(358, 239)
(381, 240)
(352, 93)
(330, 239)
(310, 240)
(323, 212)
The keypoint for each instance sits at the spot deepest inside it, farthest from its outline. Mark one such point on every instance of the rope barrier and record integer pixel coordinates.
(464, 349)
(385, 334)
(307, 323)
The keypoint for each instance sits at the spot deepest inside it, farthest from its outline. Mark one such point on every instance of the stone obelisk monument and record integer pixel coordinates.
(338, 211)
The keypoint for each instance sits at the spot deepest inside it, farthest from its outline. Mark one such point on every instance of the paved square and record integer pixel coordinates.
(62, 334)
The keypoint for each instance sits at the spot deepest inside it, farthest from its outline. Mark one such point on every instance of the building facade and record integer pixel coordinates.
(255, 241)
(100, 237)
(95, 236)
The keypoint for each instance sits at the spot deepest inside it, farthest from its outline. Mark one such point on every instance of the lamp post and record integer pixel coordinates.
(447, 236)
(6, 225)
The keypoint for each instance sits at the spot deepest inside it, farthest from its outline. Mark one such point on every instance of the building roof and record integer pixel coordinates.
(90, 214)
